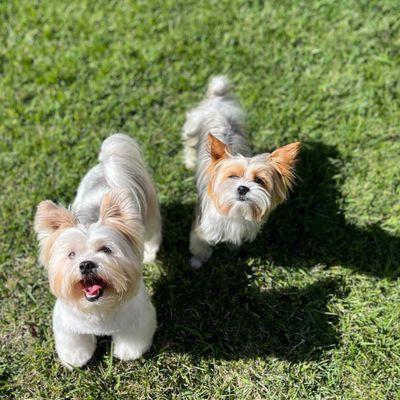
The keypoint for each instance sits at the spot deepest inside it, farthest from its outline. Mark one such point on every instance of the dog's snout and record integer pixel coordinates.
(243, 190)
(86, 267)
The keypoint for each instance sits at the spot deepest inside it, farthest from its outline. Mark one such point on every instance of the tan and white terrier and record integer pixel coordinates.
(236, 191)
(94, 253)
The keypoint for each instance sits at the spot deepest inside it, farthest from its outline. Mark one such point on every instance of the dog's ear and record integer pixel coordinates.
(119, 211)
(50, 218)
(283, 161)
(218, 149)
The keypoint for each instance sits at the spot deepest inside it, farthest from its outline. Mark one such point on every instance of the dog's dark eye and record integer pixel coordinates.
(233, 176)
(259, 181)
(105, 249)
(71, 254)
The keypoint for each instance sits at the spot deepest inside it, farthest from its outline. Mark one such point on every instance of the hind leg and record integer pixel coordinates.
(190, 136)
(151, 248)
(189, 156)
(152, 239)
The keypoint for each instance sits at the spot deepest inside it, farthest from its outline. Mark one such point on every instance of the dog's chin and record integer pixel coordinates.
(247, 209)
(242, 209)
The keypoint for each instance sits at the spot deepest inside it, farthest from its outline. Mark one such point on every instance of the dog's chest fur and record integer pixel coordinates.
(103, 322)
(220, 228)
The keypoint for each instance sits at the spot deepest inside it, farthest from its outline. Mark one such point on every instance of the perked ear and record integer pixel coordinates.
(118, 210)
(51, 217)
(218, 149)
(283, 161)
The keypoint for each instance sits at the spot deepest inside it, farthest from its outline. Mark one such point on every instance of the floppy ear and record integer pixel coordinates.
(51, 217)
(218, 149)
(283, 161)
(118, 210)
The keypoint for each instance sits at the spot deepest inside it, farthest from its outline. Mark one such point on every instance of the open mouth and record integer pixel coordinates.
(93, 287)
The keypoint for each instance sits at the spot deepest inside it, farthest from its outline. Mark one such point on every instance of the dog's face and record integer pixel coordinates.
(250, 187)
(98, 265)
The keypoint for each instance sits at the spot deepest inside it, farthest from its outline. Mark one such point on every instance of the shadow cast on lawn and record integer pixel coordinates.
(218, 312)
(311, 228)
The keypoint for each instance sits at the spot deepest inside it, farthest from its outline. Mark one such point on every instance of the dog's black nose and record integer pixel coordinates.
(243, 190)
(86, 267)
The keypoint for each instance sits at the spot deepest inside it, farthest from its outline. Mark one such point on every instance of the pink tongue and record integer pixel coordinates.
(93, 290)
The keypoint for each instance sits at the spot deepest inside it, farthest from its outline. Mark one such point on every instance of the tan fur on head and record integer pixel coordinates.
(118, 210)
(283, 161)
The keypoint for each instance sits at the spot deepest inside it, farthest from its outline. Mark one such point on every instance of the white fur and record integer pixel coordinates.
(124, 311)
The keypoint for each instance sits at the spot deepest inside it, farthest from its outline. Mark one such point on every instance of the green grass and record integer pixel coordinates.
(311, 309)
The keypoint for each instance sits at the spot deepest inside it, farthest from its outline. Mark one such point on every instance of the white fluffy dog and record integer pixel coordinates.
(94, 254)
(236, 191)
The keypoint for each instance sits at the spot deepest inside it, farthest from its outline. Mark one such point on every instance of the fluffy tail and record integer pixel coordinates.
(124, 168)
(214, 115)
(219, 86)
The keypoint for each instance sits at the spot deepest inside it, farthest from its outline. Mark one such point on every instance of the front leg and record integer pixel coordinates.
(73, 349)
(128, 346)
(199, 247)
(133, 341)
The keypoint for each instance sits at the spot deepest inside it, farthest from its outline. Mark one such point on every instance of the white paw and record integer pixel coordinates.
(126, 351)
(195, 262)
(190, 164)
(149, 256)
(75, 358)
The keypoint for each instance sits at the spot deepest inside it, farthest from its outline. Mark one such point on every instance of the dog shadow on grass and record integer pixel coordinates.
(219, 311)
(311, 229)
